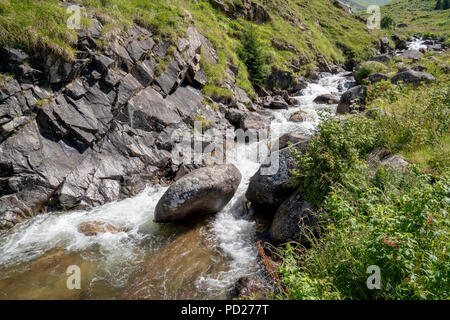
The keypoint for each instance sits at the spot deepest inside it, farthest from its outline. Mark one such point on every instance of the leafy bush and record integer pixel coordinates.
(388, 22)
(397, 221)
(368, 68)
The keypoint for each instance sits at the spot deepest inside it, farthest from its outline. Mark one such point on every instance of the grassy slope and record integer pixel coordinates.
(420, 17)
(40, 25)
(398, 221)
(361, 5)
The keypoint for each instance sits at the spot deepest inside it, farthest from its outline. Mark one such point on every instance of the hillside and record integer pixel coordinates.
(295, 32)
(362, 5)
(419, 17)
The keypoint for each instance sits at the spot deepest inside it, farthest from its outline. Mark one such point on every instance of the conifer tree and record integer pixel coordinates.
(253, 56)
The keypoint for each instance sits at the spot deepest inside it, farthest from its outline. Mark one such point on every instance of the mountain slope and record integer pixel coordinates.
(419, 17)
(297, 32)
(361, 5)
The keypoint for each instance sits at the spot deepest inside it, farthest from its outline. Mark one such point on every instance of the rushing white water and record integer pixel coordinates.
(117, 255)
(417, 44)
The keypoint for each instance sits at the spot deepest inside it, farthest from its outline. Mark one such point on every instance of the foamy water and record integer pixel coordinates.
(118, 255)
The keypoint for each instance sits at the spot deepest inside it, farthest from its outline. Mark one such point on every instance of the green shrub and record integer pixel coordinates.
(396, 221)
(368, 68)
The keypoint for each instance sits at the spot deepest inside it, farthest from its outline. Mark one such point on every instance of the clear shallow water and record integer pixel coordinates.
(145, 259)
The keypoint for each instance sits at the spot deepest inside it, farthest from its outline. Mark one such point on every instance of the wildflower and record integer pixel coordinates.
(430, 220)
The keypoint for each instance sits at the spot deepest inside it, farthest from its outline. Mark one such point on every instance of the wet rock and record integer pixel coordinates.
(254, 121)
(295, 220)
(327, 99)
(411, 76)
(270, 185)
(201, 192)
(278, 103)
(293, 138)
(356, 95)
(279, 79)
(301, 116)
(96, 227)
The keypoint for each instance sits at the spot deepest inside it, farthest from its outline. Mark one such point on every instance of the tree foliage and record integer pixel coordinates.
(252, 54)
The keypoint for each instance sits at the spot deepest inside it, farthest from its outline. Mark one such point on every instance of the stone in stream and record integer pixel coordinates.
(294, 221)
(356, 95)
(267, 190)
(203, 191)
(327, 99)
(94, 228)
(301, 116)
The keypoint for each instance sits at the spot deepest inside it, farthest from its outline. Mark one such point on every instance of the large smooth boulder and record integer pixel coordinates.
(411, 76)
(203, 191)
(271, 184)
(294, 221)
(356, 95)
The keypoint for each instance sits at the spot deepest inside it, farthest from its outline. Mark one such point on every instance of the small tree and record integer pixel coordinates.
(253, 56)
(387, 22)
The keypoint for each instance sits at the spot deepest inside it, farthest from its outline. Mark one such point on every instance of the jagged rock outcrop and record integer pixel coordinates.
(201, 192)
(248, 10)
(106, 125)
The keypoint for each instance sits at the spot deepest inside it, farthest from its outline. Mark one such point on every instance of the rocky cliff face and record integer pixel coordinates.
(96, 129)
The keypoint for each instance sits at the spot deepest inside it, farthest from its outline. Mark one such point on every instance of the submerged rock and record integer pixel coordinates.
(201, 192)
(327, 99)
(94, 228)
(301, 116)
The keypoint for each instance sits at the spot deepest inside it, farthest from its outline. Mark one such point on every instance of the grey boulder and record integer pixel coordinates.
(411, 76)
(294, 221)
(203, 191)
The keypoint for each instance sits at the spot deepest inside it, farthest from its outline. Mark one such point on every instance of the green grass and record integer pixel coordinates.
(420, 17)
(397, 220)
(330, 35)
